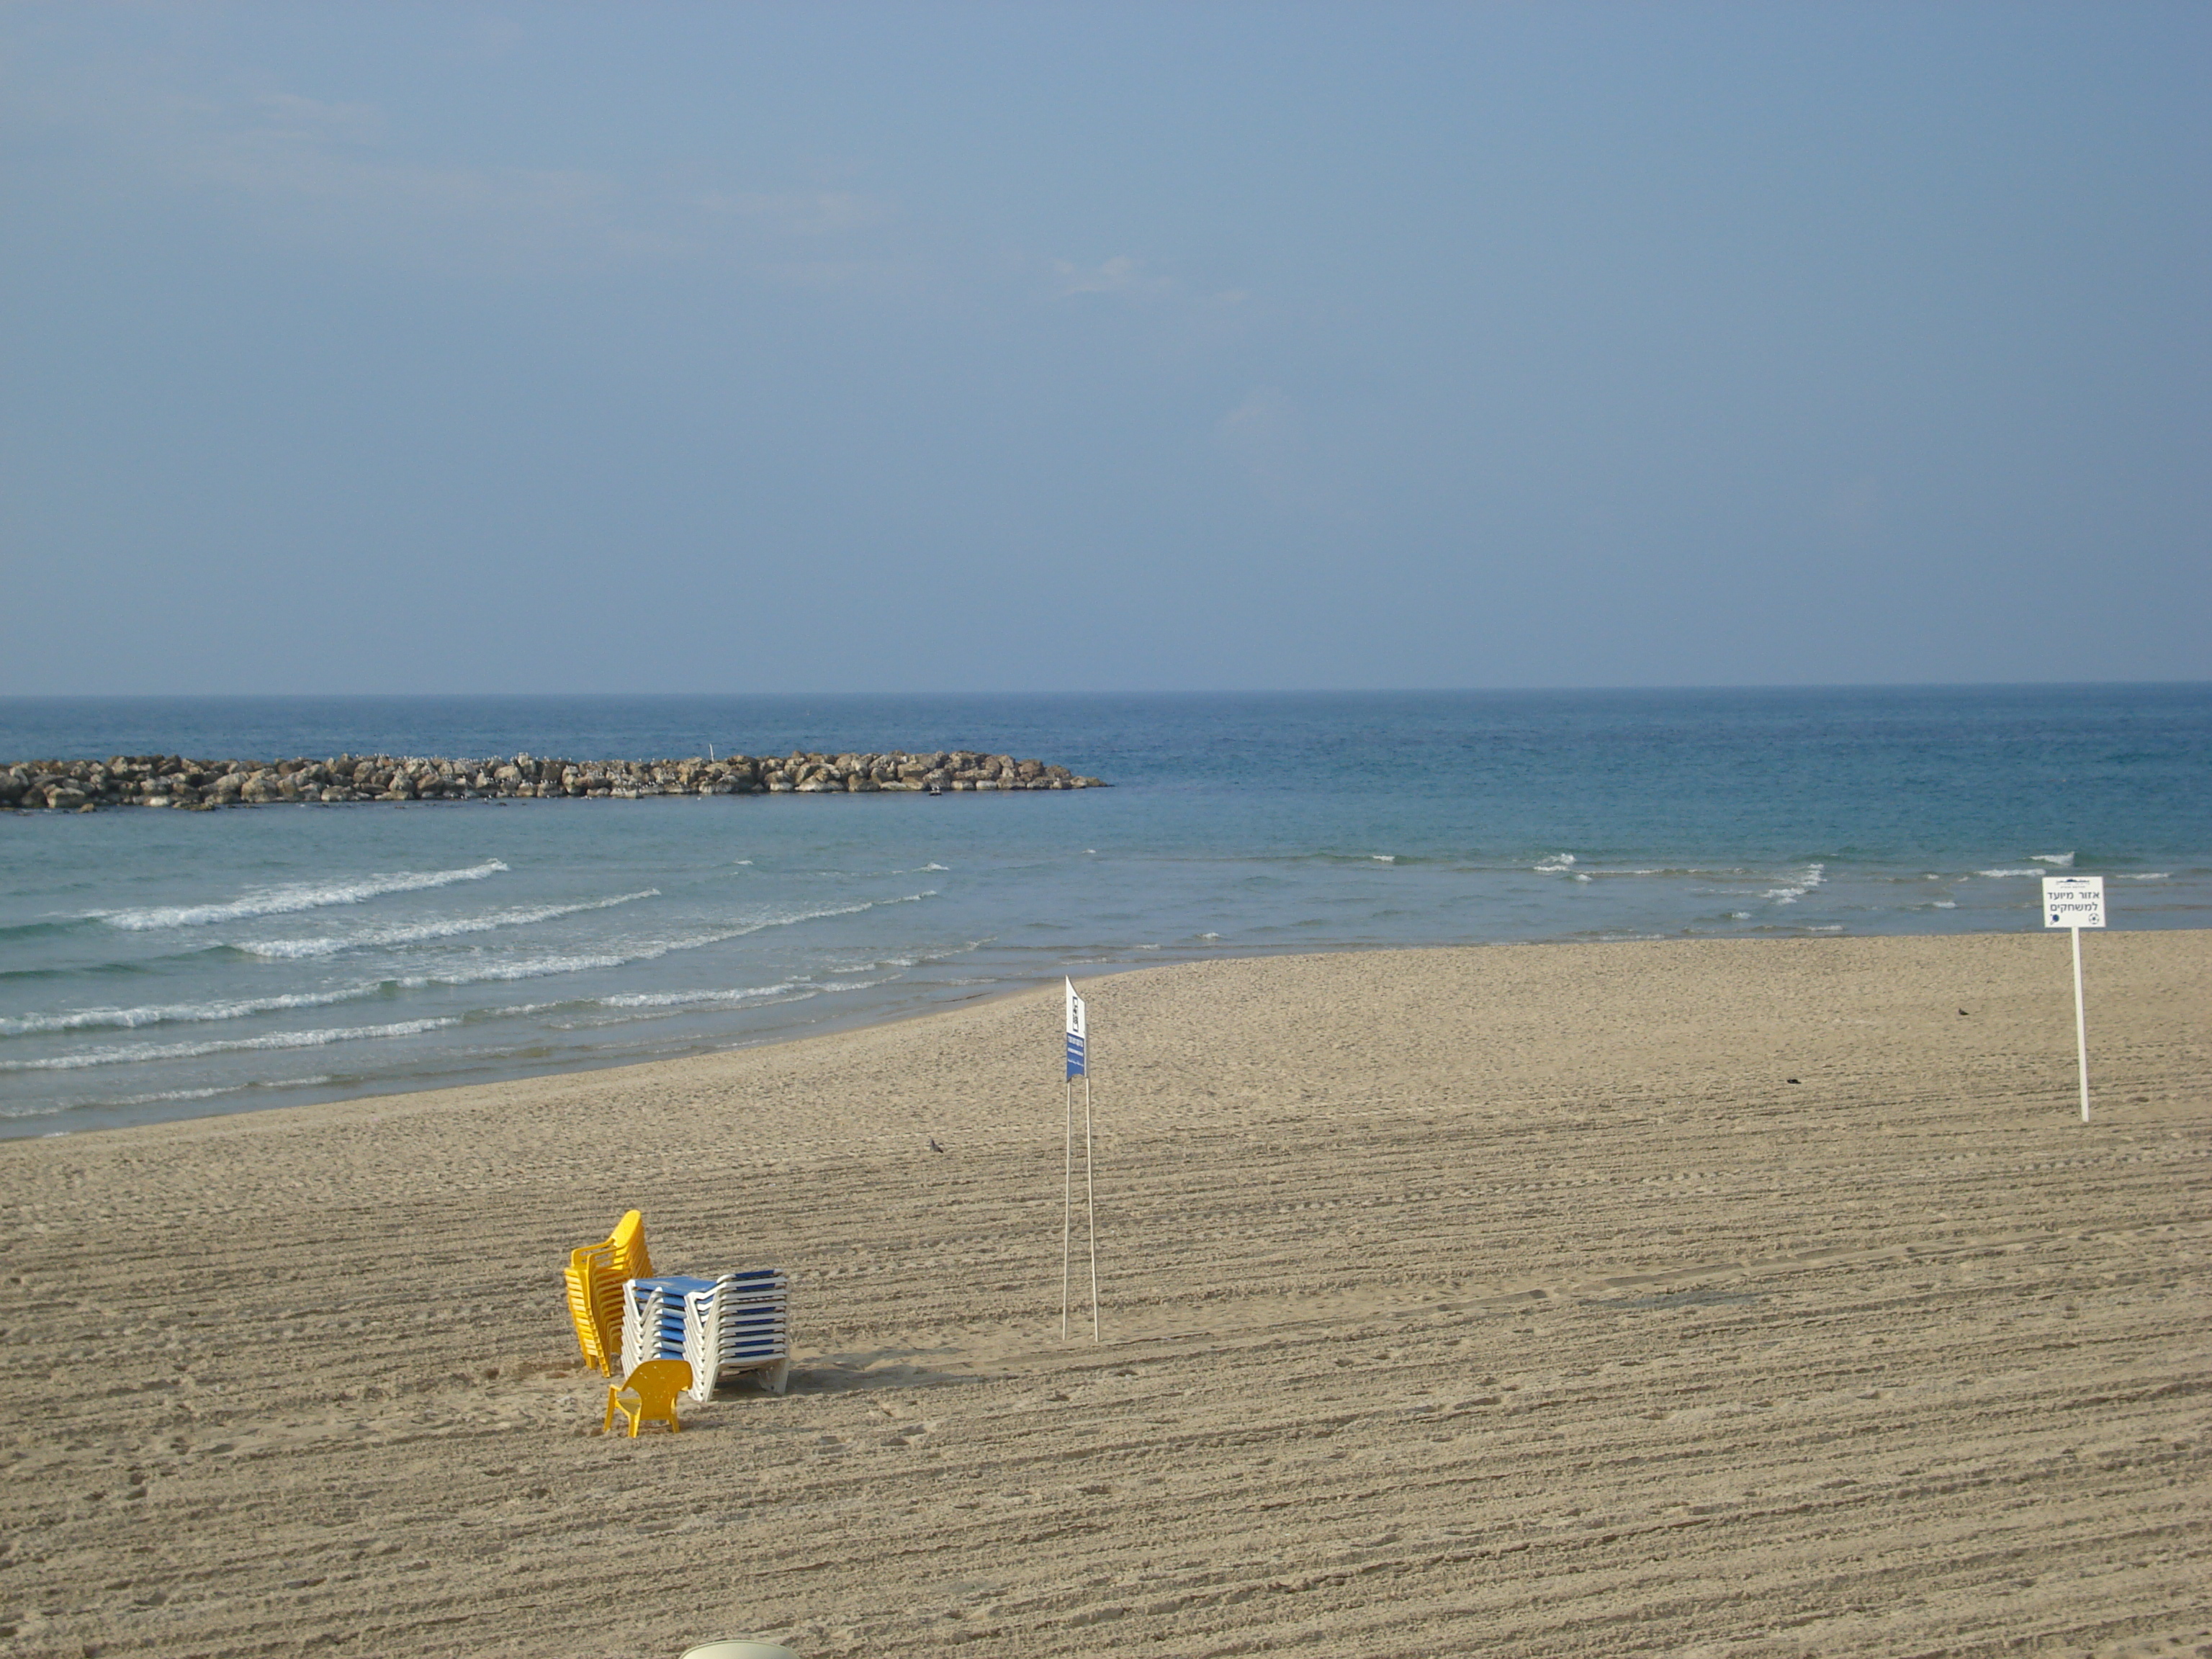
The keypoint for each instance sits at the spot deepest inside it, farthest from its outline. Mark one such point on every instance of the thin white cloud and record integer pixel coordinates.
(358, 179)
(309, 117)
(1199, 318)
(330, 173)
(1121, 275)
(337, 174)
(799, 213)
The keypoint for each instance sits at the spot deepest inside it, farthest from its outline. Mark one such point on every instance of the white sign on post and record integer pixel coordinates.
(2075, 902)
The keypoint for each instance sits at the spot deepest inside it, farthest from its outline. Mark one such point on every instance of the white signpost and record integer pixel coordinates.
(1078, 1066)
(2075, 902)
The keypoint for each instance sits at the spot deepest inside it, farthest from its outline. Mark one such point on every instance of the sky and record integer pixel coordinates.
(1119, 346)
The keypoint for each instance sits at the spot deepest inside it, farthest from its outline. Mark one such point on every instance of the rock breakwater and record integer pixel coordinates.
(173, 781)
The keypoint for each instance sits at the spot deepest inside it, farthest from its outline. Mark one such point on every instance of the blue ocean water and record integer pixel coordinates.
(157, 963)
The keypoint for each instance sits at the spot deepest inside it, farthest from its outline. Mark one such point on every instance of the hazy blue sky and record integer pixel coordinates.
(388, 348)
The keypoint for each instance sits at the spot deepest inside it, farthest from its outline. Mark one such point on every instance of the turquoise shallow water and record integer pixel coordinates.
(163, 963)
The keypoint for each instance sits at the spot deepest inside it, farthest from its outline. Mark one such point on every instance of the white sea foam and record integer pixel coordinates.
(693, 999)
(51, 1108)
(2007, 872)
(133, 1053)
(535, 968)
(2057, 861)
(2149, 875)
(416, 932)
(936, 866)
(1383, 858)
(914, 960)
(1688, 870)
(546, 967)
(178, 1013)
(282, 900)
(1811, 876)
(1944, 904)
(175, 1094)
(1556, 864)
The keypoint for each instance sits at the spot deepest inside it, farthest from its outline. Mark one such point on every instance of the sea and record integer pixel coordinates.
(159, 964)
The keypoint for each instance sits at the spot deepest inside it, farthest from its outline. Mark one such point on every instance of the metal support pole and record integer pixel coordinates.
(1091, 1204)
(2081, 1025)
(1067, 1208)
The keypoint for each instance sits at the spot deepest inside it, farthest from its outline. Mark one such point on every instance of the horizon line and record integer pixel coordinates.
(1196, 691)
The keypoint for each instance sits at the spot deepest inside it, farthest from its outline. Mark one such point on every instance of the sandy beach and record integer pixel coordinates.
(1728, 1298)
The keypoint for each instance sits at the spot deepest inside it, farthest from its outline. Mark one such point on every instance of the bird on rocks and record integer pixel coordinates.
(933, 1146)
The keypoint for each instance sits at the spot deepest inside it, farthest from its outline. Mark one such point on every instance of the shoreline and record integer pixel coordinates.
(844, 1026)
(634, 1077)
(859, 1020)
(1572, 1298)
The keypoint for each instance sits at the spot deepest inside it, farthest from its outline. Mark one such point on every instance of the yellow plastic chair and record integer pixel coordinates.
(593, 1279)
(648, 1392)
(596, 1315)
(626, 1242)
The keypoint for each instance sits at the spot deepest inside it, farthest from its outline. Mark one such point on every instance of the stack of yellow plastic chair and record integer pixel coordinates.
(594, 1276)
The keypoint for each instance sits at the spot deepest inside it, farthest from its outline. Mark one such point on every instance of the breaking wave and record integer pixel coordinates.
(136, 1053)
(182, 1014)
(284, 901)
(702, 999)
(546, 967)
(175, 1013)
(1809, 878)
(417, 932)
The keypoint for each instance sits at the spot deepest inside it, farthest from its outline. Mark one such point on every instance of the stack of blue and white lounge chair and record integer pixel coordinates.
(725, 1325)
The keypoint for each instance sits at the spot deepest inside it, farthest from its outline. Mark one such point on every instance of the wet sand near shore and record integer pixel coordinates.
(1717, 1297)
